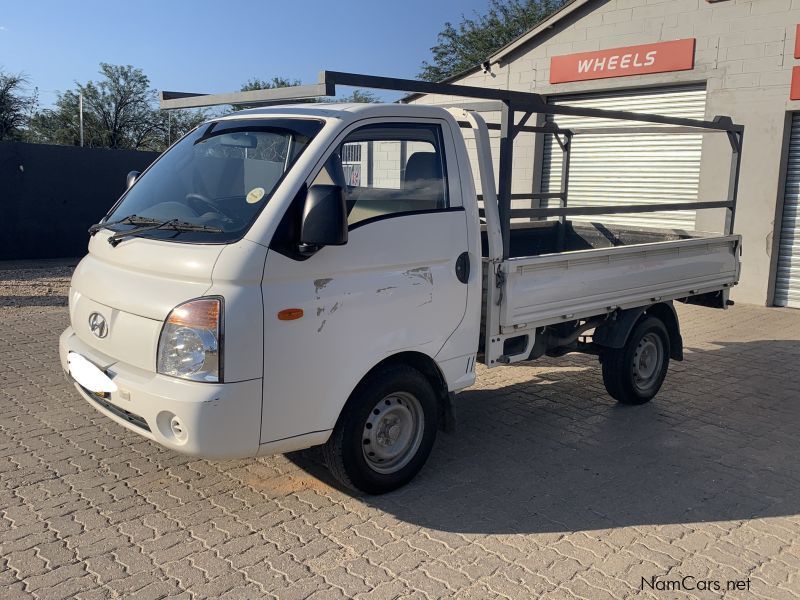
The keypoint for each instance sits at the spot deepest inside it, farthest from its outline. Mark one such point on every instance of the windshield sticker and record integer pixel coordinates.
(255, 195)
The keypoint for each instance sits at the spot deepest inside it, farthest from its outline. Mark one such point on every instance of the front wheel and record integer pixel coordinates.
(634, 374)
(385, 433)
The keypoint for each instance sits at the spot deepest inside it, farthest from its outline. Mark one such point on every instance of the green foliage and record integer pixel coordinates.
(15, 105)
(254, 83)
(473, 40)
(174, 124)
(365, 96)
(60, 125)
(119, 111)
(267, 84)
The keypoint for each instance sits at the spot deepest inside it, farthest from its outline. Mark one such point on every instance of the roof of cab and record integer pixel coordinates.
(343, 111)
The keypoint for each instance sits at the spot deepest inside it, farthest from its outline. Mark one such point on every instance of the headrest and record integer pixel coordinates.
(423, 168)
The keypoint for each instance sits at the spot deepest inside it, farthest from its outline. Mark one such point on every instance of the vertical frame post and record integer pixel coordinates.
(566, 150)
(370, 163)
(736, 139)
(540, 140)
(506, 163)
(403, 160)
(80, 115)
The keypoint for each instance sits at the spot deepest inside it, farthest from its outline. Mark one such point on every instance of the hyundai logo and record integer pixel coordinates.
(98, 325)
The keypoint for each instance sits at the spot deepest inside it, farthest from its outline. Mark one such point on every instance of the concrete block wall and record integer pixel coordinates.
(387, 169)
(387, 165)
(744, 55)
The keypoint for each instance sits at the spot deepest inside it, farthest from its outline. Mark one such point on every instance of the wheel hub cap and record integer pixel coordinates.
(647, 361)
(393, 432)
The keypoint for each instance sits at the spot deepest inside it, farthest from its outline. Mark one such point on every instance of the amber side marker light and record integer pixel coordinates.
(290, 314)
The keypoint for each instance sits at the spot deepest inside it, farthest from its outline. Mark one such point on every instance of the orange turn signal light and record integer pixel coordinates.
(202, 313)
(290, 314)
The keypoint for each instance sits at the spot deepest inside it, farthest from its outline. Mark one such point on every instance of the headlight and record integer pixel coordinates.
(190, 344)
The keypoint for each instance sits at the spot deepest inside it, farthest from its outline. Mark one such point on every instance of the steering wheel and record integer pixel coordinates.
(193, 199)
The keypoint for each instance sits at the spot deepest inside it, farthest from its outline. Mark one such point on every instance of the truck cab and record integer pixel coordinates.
(247, 338)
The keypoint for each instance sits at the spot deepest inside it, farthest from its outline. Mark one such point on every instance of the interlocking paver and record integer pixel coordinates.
(548, 488)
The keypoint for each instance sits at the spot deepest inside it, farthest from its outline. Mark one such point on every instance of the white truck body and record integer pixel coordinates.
(392, 294)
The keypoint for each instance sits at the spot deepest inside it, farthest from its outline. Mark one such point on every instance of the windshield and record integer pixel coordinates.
(220, 176)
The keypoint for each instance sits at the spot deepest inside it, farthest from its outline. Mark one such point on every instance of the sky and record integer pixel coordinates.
(212, 47)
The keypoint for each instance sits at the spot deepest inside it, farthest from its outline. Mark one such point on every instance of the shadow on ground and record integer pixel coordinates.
(555, 453)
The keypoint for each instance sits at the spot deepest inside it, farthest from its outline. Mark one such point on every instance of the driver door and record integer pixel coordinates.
(391, 288)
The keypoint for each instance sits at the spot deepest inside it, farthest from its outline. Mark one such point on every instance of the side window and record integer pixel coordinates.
(393, 169)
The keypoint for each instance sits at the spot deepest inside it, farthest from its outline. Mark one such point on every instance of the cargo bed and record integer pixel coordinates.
(565, 272)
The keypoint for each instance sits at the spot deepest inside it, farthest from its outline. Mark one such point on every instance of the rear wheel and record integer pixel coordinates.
(634, 374)
(385, 433)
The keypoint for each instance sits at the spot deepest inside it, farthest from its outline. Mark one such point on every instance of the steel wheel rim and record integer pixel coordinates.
(393, 432)
(648, 359)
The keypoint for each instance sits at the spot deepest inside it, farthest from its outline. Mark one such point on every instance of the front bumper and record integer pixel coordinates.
(200, 419)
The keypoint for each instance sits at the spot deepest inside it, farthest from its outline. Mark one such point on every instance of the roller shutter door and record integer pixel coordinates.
(609, 169)
(787, 280)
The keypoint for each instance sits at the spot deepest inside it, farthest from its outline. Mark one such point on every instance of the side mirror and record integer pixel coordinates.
(131, 178)
(324, 218)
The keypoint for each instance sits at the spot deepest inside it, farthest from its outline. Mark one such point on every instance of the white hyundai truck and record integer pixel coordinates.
(326, 274)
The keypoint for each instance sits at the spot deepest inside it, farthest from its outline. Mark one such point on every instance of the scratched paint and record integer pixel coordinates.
(420, 273)
(322, 325)
(385, 289)
(334, 308)
(320, 284)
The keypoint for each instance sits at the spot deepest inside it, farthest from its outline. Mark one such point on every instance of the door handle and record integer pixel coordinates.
(462, 267)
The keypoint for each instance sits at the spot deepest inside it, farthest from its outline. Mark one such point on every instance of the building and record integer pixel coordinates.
(692, 58)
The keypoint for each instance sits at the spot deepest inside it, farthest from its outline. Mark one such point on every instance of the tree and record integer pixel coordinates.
(174, 124)
(121, 104)
(119, 111)
(61, 124)
(473, 40)
(15, 106)
(254, 83)
(365, 96)
(267, 84)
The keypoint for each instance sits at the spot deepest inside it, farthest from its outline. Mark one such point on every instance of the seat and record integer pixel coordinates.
(422, 189)
(423, 180)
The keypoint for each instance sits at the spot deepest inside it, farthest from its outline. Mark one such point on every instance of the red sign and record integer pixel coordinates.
(662, 57)
(794, 92)
(797, 42)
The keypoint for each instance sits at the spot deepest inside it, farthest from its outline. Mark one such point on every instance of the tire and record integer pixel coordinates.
(634, 374)
(385, 432)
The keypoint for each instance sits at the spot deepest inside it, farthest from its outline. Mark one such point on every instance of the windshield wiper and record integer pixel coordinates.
(129, 220)
(174, 224)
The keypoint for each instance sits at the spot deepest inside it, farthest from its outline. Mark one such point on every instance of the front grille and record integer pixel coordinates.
(130, 417)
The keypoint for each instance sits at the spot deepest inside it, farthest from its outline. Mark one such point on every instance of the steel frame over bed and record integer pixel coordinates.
(509, 103)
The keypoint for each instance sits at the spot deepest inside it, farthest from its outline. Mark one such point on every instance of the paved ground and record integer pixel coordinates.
(35, 283)
(547, 489)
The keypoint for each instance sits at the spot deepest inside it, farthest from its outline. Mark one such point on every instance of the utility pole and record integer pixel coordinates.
(80, 110)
